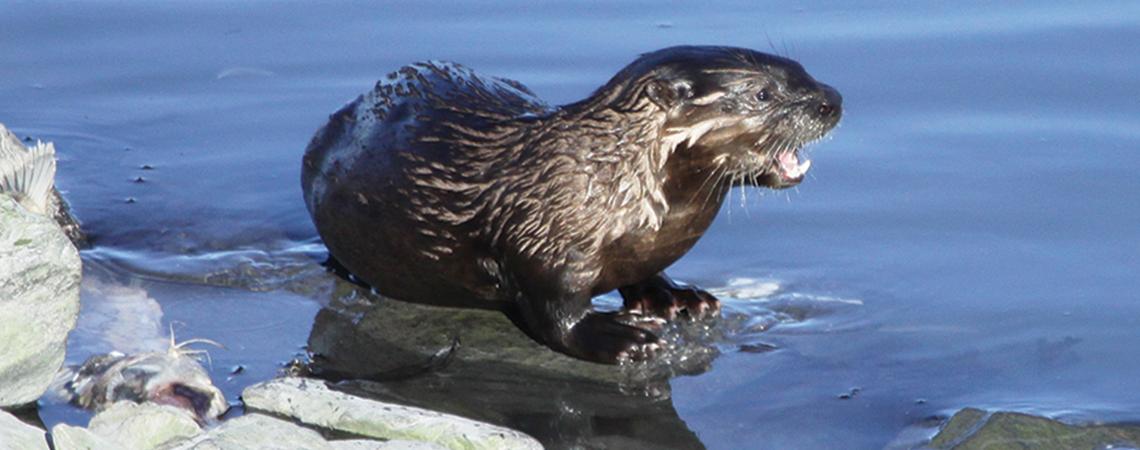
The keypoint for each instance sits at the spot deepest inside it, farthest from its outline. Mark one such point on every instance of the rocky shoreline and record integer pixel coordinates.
(500, 381)
(286, 413)
(305, 413)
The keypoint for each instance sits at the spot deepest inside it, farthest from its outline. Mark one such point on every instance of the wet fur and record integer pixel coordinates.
(448, 187)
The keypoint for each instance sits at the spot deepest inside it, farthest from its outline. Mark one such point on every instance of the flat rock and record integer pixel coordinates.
(40, 272)
(365, 444)
(143, 426)
(313, 403)
(256, 432)
(407, 334)
(972, 429)
(69, 437)
(389, 350)
(17, 435)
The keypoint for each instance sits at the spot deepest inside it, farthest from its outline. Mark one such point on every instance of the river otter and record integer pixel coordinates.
(447, 187)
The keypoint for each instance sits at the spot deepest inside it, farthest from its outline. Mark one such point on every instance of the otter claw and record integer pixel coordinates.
(660, 297)
(646, 352)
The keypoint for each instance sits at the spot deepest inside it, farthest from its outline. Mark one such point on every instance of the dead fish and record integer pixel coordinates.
(173, 377)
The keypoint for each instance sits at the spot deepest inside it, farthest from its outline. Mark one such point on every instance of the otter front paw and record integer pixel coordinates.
(611, 338)
(667, 300)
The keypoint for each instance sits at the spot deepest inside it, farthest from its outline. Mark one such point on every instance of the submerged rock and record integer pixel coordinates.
(976, 429)
(313, 403)
(40, 272)
(15, 434)
(101, 327)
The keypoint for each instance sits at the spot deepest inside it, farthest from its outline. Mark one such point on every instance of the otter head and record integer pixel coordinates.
(738, 112)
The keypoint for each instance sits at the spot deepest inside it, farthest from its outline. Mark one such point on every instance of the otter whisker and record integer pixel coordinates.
(715, 188)
(712, 172)
(731, 184)
(743, 195)
(722, 172)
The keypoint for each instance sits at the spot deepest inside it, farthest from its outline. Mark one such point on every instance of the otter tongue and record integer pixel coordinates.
(791, 167)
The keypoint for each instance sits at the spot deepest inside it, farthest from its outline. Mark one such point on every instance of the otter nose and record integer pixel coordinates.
(831, 105)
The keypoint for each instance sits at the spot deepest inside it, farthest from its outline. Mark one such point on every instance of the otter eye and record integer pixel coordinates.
(764, 95)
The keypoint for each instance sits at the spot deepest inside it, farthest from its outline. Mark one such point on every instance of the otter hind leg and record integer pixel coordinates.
(662, 297)
(570, 326)
(615, 337)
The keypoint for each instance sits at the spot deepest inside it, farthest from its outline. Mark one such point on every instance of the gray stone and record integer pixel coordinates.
(143, 426)
(971, 429)
(313, 403)
(68, 437)
(17, 435)
(40, 272)
(365, 444)
(409, 334)
(256, 432)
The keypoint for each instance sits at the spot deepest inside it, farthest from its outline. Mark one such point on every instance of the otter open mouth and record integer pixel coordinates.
(789, 167)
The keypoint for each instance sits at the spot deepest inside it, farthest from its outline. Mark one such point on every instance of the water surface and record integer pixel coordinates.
(975, 212)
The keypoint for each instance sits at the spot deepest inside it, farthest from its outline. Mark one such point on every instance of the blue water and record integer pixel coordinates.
(978, 204)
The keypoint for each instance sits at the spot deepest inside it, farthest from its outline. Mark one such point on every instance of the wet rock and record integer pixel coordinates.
(128, 426)
(15, 434)
(39, 301)
(409, 334)
(256, 431)
(68, 437)
(388, 351)
(364, 444)
(976, 429)
(362, 335)
(313, 403)
(144, 425)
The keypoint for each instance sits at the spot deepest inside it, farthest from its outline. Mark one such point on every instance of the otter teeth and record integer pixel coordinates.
(804, 168)
(791, 167)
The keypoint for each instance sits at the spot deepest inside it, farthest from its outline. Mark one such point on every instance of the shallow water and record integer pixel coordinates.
(975, 212)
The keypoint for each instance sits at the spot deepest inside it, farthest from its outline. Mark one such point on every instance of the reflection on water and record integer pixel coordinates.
(492, 373)
(979, 199)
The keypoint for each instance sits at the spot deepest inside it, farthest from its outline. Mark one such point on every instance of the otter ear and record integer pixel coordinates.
(669, 93)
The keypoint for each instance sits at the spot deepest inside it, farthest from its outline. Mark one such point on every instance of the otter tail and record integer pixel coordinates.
(27, 174)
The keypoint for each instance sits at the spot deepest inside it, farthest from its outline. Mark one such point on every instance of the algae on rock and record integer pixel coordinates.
(974, 429)
(40, 272)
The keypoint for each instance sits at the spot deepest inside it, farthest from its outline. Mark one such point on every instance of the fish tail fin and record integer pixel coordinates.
(28, 175)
